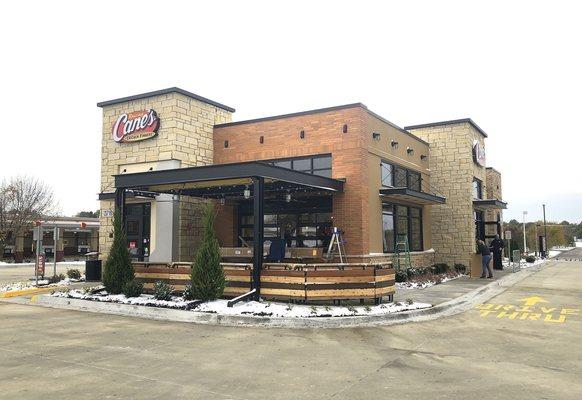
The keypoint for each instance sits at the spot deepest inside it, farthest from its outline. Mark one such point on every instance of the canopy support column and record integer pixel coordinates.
(258, 216)
(120, 204)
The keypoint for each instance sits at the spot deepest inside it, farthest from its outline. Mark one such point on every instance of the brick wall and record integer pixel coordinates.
(323, 135)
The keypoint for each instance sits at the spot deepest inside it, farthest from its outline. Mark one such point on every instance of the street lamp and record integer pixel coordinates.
(524, 242)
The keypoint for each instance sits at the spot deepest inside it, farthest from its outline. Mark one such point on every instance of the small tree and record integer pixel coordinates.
(118, 269)
(207, 275)
(23, 200)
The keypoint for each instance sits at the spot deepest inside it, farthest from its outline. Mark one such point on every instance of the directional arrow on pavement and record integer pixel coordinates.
(533, 300)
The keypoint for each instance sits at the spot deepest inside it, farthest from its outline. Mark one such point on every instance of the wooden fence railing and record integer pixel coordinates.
(304, 282)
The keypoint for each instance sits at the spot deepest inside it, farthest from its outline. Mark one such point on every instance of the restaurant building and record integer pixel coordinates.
(165, 153)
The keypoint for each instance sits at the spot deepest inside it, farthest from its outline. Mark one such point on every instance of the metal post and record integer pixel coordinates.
(524, 239)
(120, 203)
(536, 240)
(258, 219)
(55, 240)
(545, 232)
(39, 233)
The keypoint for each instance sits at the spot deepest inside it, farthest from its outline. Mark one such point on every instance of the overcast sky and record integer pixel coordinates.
(513, 67)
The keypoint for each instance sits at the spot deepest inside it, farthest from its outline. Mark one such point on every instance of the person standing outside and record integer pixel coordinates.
(486, 253)
(497, 246)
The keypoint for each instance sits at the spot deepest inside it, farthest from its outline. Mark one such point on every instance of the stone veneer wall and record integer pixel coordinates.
(452, 171)
(185, 134)
(494, 191)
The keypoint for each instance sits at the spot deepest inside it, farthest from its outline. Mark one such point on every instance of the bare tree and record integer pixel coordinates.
(23, 200)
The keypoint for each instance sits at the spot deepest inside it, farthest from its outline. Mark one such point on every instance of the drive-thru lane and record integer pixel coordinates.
(58, 354)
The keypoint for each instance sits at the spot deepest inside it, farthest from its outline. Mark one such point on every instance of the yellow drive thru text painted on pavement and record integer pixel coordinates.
(528, 311)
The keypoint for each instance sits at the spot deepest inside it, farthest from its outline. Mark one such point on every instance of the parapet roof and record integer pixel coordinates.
(451, 122)
(317, 111)
(161, 92)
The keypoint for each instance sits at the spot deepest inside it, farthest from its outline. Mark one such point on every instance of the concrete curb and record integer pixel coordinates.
(449, 308)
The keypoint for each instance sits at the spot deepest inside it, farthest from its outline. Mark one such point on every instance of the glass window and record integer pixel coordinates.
(400, 177)
(283, 164)
(271, 231)
(477, 189)
(415, 230)
(307, 231)
(414, 181)
(269, 219)
(322, 162)
(132, 228)
(307, 218)
(247, 232)
(388, 231)
(302, 164)
(246, 220)
(386, 170)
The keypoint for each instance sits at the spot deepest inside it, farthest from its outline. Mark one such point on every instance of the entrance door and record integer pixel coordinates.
(479, 225)
(137, 230)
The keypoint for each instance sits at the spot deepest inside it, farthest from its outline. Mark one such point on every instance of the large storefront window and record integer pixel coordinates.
(396, 176)
(401, 220)
(388, 229)
(315, 165)
(299, 225)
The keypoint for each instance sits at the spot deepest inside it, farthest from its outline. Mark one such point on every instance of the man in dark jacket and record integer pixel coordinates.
(484, 251)
(497, 246)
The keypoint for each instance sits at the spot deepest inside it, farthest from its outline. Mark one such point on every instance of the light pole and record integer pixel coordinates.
(545, 249)
(536, 240)
(524, 241)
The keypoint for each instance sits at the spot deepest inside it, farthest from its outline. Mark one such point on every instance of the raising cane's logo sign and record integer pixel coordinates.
(135, 126)
(478, 154)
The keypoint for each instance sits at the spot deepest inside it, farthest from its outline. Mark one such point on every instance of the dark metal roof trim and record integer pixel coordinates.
(451, 122)
(296, 114)
(414, 194)
(161, 92)
(490, 203)
(225, 171)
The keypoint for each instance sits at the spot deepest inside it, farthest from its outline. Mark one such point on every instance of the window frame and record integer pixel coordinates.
(313, 170)
(479, 188)
(394, 168)
(409, 219)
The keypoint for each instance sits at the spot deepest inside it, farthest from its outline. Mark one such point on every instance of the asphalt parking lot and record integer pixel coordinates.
(504, 349)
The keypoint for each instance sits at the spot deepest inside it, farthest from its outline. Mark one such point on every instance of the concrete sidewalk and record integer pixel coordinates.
(450, 290)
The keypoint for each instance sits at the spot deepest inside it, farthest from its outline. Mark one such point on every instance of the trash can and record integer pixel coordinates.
(92, 267)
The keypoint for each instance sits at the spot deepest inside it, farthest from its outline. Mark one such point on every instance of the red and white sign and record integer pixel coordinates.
(132, 245)
(479, 154)
(135, 126)
(40, 265)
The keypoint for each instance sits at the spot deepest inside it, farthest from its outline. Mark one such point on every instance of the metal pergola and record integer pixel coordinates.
(221, 180)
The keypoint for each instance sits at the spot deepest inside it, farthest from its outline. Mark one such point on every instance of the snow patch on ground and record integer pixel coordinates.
(31, 264)
(255, 308)
(15, 286)
(423, 284)
(524, 264)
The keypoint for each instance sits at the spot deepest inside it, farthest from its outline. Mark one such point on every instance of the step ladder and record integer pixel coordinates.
(401, 247)
(336, 246)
